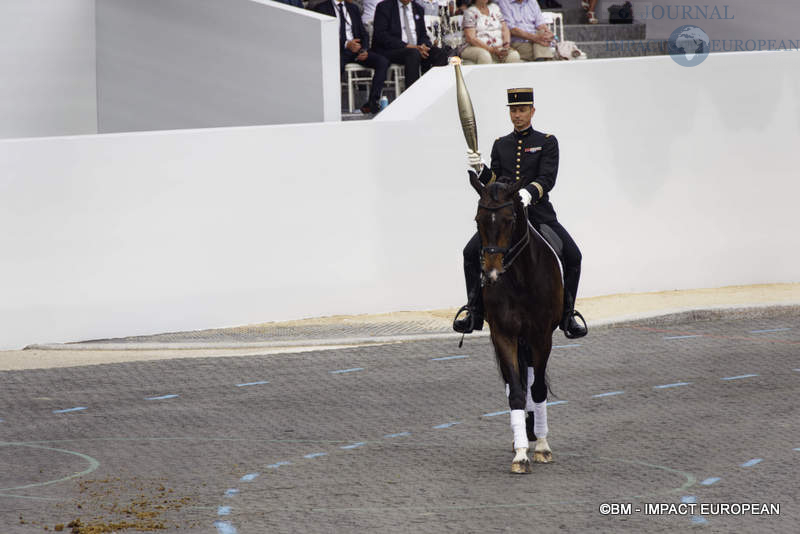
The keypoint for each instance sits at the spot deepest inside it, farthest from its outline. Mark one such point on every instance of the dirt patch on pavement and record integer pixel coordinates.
(117, 505)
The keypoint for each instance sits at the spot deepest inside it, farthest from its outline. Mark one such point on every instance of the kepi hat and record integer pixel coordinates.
(520, 96)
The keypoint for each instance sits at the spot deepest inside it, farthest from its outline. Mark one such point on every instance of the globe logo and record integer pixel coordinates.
(689, 46)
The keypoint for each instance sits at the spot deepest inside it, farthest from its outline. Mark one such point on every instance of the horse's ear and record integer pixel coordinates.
(476, 183)
(516, 186)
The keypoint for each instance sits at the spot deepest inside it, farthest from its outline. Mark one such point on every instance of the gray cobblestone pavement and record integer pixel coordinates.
(395, 438)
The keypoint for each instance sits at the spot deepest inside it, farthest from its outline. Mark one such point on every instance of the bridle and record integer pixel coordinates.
(509, 253)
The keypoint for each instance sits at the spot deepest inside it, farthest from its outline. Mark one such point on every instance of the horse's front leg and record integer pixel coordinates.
(506, 347)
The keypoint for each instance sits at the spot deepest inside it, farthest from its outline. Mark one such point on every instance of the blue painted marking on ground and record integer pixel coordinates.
(398, 435)
(225, 527)
(566, 346)
(231, 492)
(315, 455)
(769, 331)
(353, 445)
(353, 370)
(162, 397)
(798, 370)
(688, 499)
(699, 519)
(68, 410)
(738, 377)
(224, 510)
(556, 403)
(278, 464)
(751, 463)
(493, 414)
(250, 476)
(675, 385)
(797, 449)
(449, 358)
(252, 384)
(447, 425)
(709, 481)
(684, 337)
(609, 394)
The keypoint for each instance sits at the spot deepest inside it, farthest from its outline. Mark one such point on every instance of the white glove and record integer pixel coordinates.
(525, 196)
(474, 160)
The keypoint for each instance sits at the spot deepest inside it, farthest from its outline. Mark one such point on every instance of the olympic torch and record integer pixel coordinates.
(465, 111)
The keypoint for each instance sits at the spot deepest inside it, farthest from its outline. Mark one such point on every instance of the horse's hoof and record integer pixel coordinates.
(522, 467)
(542, 457)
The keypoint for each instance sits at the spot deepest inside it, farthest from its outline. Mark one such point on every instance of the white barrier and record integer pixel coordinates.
(165, 64)
(71, 67)
(670, 177)
(47, 68)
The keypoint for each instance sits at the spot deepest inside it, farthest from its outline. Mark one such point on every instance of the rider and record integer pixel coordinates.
(532, 156)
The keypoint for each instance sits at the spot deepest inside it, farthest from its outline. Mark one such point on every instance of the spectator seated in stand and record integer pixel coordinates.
(399, 34)
(353, 47)
(528, 29)
(487, 35)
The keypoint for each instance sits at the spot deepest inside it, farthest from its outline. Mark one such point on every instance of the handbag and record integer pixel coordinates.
(621, 14)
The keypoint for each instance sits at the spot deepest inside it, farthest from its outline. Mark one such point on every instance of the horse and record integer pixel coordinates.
(523, 302)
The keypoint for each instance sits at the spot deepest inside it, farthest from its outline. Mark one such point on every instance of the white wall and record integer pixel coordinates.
(167, 64)
(670, 178)
(47, 68)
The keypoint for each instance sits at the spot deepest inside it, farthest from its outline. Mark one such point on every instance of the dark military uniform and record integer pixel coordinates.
(531, 156)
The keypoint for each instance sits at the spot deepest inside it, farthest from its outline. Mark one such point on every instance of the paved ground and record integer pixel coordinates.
(394, 438)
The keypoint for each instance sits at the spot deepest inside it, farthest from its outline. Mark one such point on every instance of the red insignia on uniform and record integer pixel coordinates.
(533, 149)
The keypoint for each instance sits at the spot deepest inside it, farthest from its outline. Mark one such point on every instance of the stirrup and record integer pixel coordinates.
(464, 308)
(574, 313)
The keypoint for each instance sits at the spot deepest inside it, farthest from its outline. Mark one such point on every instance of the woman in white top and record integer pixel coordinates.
(487, 35)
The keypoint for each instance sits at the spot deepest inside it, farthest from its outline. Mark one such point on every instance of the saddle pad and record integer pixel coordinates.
(547, 231)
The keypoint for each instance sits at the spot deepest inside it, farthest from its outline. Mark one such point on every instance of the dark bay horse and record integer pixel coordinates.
(523, 300)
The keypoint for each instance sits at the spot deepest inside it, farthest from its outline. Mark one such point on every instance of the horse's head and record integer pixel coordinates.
(496, 218)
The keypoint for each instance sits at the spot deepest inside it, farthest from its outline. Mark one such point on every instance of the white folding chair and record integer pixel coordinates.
(433, 25)
(556, 23)
(396, 78)
(455, 23)
(356, 75)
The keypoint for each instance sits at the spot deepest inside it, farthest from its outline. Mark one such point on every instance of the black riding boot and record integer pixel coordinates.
(569, 324)
(474, 318)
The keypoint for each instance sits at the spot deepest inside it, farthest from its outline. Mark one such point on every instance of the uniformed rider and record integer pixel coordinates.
(532, 156)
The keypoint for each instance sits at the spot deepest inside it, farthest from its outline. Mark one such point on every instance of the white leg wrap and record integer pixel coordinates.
(540, 419)
(529, 397)
(518, 427)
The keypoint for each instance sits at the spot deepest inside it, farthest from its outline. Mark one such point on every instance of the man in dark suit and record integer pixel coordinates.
(399, 34)
(353, 45)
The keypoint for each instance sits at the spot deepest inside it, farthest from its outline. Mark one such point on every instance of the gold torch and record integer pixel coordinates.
(465, 111)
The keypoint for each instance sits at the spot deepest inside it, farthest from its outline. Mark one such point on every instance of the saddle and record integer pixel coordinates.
(553, 241)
